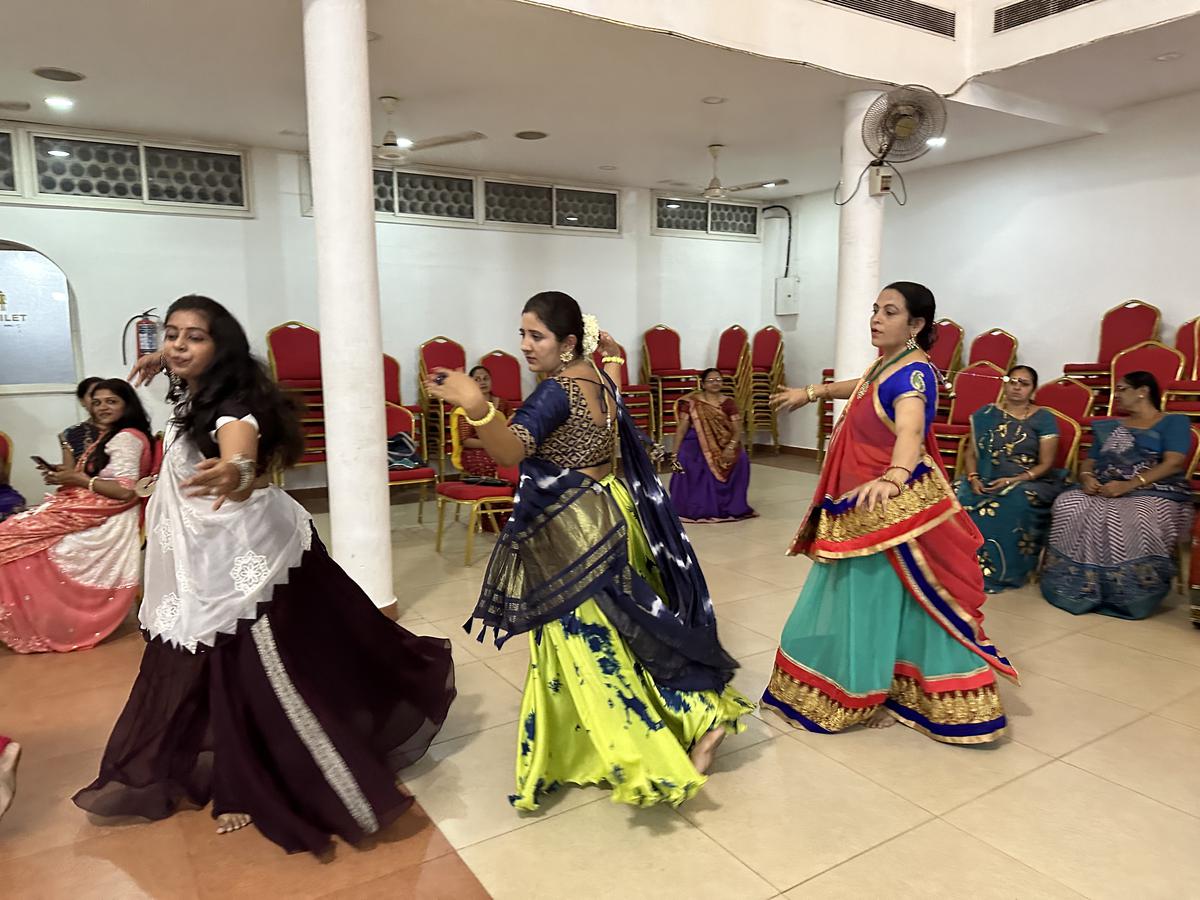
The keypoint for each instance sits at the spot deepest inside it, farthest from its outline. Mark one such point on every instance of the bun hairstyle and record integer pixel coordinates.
(1138, 380)
(919, 302)
(560, 313)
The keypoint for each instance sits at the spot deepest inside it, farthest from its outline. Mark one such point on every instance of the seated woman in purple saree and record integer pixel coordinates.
(716, 469)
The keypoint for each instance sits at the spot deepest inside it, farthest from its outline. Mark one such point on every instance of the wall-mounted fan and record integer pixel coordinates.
(717, 191)
(394, 149)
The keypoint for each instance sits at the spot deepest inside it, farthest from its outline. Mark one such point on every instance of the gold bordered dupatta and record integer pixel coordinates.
(714, 431)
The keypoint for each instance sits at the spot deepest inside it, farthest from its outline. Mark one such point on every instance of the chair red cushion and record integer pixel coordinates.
(295, 384)
(660, 373)
(401, 476)
(457, 490)
(310, 458)
(1085, 367)
(945, 429)
(1183, 406)
(636, 389)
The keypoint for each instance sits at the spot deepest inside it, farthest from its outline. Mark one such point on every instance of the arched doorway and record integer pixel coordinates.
(38, 347)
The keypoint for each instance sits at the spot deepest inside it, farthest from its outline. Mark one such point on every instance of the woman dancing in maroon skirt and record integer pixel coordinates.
(270, 683)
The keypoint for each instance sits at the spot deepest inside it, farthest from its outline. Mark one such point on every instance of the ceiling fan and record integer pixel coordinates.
(395, 149)
(716, 191)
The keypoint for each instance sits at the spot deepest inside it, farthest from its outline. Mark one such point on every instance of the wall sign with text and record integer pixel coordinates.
(36, 342)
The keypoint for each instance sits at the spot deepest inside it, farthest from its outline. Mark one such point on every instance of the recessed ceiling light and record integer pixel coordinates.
(769, 184)
(14, 106)
(936, 142)
(608, 168)
(530, 135)
(1168, 57)
(572, 218)
(672, 206)
(53, 73)
(713, 101)
(62, 104)
(59, 153)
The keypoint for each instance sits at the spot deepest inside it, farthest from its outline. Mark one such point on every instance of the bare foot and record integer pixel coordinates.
(702, 754)
(8, 774)
(228, 822)
(881, 719)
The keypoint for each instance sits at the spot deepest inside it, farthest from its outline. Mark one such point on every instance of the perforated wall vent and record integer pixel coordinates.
(1026, 11)
(933, 19)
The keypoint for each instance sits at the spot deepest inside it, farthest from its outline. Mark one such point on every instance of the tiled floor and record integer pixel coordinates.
(1096, 793)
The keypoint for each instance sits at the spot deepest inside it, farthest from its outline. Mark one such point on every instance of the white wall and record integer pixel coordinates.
(468, 284)
(1040, 242)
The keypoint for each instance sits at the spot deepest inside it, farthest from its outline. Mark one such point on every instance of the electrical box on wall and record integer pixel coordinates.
(787, 296)
(881, 181)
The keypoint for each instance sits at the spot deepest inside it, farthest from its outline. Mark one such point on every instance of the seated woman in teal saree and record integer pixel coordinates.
(1011, 481)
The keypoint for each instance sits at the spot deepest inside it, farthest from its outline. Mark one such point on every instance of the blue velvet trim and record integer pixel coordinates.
(808, 723)
(970, 730)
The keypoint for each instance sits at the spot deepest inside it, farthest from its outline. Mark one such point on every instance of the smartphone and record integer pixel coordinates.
(42, 464)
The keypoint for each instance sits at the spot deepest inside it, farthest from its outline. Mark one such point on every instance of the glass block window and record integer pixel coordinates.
(8, 169)
(681, 215)
(585, 209)
(195, 176)
(522, 204)
(729, 218)
(88, 168)
(435, 195)
(385, 190)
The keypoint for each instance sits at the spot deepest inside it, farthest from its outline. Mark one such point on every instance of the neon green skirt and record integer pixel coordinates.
(591, 714)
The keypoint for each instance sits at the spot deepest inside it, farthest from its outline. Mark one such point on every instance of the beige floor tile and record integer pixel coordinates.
(466, 648)
(1055, 718)
(715, 546)
(937, 777)
(739, 641)
(726, 586)
(1169, 634)
(765, 614)
(1029, 602)
(1119, 673)
(603, 850)
(1013, 633)
(1098, 838)
(757, 731)
(934, 862)
(424, 567)
(1185, 710)
(512, 667)
(770, 534)
(790, 813)
(779, 569)
(484, 700)
(464, 785)
(437, 601)
(1153, 756)
(751, 679)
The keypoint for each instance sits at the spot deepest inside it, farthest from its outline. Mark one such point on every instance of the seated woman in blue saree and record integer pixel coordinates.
(1011, 481)
(1113, 538)
(627, 683)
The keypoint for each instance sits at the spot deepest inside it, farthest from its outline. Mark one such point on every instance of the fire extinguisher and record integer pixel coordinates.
(145, 325)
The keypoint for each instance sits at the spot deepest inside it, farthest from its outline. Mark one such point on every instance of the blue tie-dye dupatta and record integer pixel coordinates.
(567, 542)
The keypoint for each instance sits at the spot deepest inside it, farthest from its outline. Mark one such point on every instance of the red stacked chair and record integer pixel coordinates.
(1123, 326)
(294, 353)
(1067, 396)
(392, 394)
(6, 455)
(946, 356)
(766, 376)
(1069, 434)
(733, 361)
(438, 353)
(490, 501)
(663, 370)
(824, 416)
(974, 388)
(1163, 362)
(638, 398)
(401, 421)
(1184, 395)
(506, 376)
(996, 346)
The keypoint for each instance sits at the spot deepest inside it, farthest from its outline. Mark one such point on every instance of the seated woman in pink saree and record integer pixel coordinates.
(70, 568)
(716, 470)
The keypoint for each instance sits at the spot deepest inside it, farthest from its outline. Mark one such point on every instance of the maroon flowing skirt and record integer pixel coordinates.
(301, 718)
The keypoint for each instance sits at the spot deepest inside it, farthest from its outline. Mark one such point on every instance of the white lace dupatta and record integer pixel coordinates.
(206, 569)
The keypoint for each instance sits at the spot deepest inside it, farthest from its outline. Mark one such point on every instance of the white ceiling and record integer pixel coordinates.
(231, 71)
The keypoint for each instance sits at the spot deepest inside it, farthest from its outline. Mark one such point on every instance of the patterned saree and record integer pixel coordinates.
(890, 618)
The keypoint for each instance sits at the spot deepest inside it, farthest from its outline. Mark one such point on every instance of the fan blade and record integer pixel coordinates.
(461, 138)
(753, 185)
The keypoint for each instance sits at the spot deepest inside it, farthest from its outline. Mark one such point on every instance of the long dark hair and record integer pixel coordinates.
(1145, 380)
(919, 301)
(86, 385)
(234, 377)
(133, 417)
(560, 313)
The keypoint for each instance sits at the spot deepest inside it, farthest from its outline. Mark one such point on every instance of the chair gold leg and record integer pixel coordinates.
(421, 506)
(441, 503)
(471, 523)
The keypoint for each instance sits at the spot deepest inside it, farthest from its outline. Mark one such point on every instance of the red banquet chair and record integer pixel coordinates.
(996, 346)
(438, 353)
(402, 421)
(484, 501)
(824, 416)
(1184, 395)
(733, 361)
(1067, 396)
(6, 456)
(946, 356)
(638, 398)
(294, 355)
(974, 388)
(506, 375)
(1123, 326)
(1163, 362)
(663, 370)
(766, 375)
(392, 394)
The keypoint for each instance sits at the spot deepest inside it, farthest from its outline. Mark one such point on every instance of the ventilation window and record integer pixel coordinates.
(733, 218)
(8, 171)
(195, 176)
(585, 209)
(681, 215)
(933, 19)
(1027, 11)
(439, 196)
(385, 190)
(519, 204)
(87, 168)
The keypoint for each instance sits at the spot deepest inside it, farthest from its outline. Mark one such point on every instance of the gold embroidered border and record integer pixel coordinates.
(859, 522)
(973, 707)
(819, 708)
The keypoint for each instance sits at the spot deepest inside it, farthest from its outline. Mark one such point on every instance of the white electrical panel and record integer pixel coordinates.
(787, 296)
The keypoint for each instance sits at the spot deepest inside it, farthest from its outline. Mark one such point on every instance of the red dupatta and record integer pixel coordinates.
(714, 430)
(930, 540)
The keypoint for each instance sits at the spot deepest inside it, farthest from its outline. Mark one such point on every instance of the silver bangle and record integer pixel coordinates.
(245, 467)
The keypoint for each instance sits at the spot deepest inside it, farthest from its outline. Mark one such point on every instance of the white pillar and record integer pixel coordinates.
(860, 239)
(338, 91)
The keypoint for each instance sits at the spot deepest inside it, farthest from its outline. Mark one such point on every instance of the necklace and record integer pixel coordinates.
(879, 367)
(1028, 413)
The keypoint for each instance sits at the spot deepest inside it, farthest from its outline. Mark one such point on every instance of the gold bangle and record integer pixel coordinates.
(92, 483)
(1142, 478)
(891, 481)
(491, 414)
(616, 360)
(811, 390)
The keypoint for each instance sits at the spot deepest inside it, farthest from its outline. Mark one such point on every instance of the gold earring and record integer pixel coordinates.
(566, 356)
(911, 343)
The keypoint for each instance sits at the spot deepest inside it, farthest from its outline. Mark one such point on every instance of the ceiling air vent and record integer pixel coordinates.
(907, 12)
(1026, 11)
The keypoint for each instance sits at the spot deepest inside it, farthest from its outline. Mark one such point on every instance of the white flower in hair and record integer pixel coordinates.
(591, 334)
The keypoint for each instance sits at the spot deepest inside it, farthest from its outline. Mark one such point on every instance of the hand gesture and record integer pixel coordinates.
(454, 387)
(1090, 484)
(789, 399)
(976, 484)
(213, 478)
(607, 345)
(1116, 488)
(874, 493)
(145, 369)
(60, 476)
